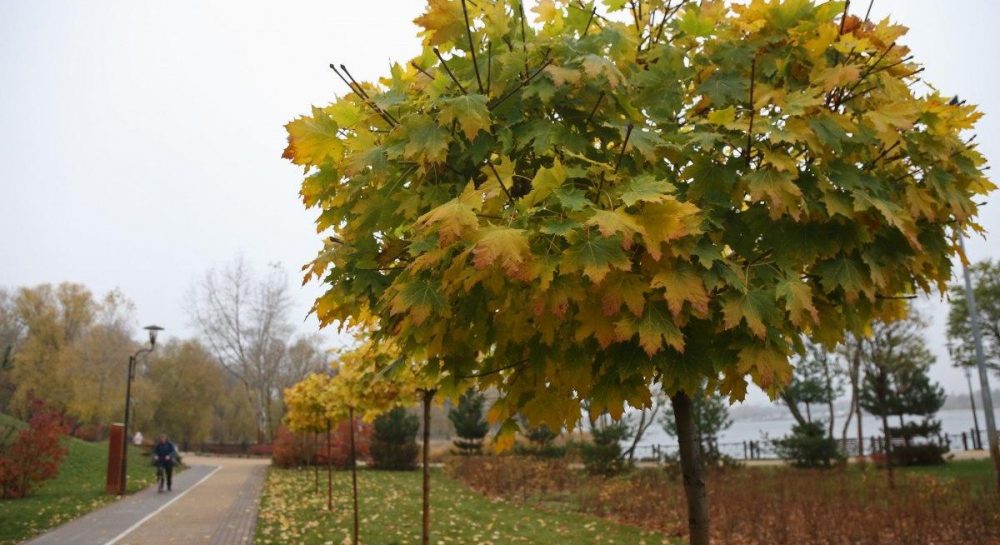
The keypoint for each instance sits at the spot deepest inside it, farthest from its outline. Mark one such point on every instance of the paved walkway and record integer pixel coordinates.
(214, 502)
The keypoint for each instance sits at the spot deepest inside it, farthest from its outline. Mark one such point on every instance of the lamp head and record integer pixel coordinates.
(153, 330)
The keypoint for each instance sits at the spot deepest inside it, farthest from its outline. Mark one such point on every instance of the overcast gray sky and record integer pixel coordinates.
(140, 142)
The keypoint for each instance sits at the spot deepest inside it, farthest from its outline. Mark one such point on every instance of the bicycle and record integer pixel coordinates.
(160, 471)
(159, 478)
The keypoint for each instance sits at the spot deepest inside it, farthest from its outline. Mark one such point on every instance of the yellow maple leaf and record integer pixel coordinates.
(505, 247)
(443, 22)
(312, 140)
(682, 284)
(454, 219)
(838, 76)
(609, 222)
(665, 221)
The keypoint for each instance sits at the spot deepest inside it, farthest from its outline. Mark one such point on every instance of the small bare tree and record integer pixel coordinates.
(243, 318)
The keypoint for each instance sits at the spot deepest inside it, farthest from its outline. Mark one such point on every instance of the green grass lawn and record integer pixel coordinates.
(78, 489)
(970, 470)
(291, 512)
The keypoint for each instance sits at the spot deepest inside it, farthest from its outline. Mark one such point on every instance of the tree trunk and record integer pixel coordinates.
(793, 408)
(888, 450)
(426, 533)
(329, 470)
(809, 415)
(354, 479)
(692, 469)
(630, 453)
(829, 396)
(315, 460)
(861, 433)
(854, 375)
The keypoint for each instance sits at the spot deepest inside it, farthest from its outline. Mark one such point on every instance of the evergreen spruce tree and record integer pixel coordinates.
(394, 442)
(469, 423)
(896, 384)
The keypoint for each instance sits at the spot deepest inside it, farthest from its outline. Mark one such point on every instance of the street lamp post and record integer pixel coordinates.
(132, 360)
(972, 395)
(984, 381)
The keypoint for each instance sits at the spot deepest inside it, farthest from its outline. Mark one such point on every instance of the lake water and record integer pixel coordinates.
(952, 422)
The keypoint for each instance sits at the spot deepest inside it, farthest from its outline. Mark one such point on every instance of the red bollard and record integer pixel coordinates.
(116, 445)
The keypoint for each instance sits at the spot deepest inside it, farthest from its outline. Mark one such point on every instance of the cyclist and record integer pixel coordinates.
(164, 457)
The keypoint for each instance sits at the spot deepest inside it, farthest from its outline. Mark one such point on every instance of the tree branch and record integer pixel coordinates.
(621, 154)
(452, 75)
(510, 198)
(521, 84)
(364, 97)
(594, 110)
(753, 109)
(493, 371)
(472, 48)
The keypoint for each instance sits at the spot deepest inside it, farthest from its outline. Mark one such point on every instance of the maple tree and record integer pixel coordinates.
(596, 202)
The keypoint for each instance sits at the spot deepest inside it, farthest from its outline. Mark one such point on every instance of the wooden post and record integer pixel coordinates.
(965, 442)
(744, 450)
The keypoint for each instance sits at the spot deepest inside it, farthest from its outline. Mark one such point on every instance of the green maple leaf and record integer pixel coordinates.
(829, 132)
(798, 300)
(426, 142)
(776, 187)
(596, 255)
(655, 328)
(756, 307)
(725, 88)
(572, 199)
(695, 24)
(546, 180)
(469, 110)
(623, 288)
(845, 273)
(419, 299)
(645, 188)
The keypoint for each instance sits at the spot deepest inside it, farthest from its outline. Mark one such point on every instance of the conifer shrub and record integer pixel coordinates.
(394, 441)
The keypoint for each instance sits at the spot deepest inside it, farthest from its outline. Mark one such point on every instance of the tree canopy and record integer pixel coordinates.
(578, 204)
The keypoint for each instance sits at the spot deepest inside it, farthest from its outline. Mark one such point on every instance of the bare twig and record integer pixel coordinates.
(493, 371)
(869, 12)
(621, 153)
(843, 17)
(524, 40)
(364, 97)
(421, 70)
(589, 20)
(753, 108)
(594, 110)
(885, 152)
(510, 198)
(472, 48)
(521, 84)
(489, 66)
(450, 73)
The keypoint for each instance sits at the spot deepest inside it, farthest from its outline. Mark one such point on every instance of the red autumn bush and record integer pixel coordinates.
(34, 455)
(293, 449)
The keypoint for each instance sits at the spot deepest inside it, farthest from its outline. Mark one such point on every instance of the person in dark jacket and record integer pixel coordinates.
(164, 456)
